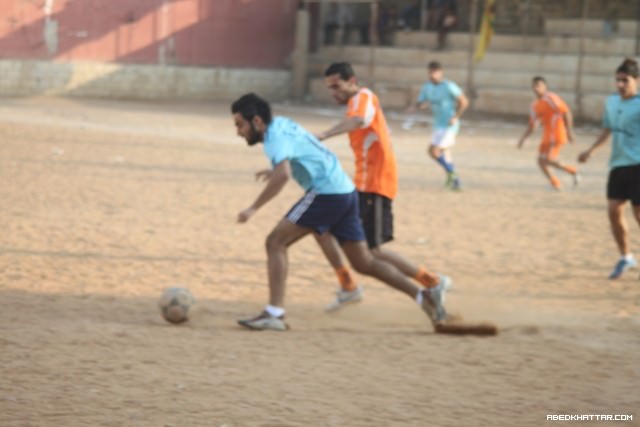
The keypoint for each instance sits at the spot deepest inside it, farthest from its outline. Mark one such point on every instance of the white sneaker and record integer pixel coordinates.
(577, 179)
(264, 321)
(621, 266)
(408, 124)
(345, 298)
(433, 300)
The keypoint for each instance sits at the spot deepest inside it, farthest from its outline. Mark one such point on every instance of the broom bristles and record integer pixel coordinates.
(463, 328)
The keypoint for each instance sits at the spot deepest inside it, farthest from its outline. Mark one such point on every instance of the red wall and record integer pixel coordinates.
(245, 33)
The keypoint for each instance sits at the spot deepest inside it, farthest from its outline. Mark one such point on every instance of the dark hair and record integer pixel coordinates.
(629, 67)
(434, 65)
(538, 79)
(343, 68)
(251, 105)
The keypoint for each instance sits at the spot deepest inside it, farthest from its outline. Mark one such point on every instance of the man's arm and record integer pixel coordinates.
(421, 102)
(418, 105)
(347, 125)
(462, 103)
(568, 121)
(527, 133)
(278, 179)
(602, 138)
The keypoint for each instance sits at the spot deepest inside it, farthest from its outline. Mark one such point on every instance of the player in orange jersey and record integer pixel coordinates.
(557, 123)
(375, 178)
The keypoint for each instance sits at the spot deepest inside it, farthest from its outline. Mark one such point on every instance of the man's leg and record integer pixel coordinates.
(435, 152)
(636, 213)
(571, 170)
(332, 251)
(443, 158)
(544, 167)
(440, 151)
(281, 237)
(553, 161)
(365, 263)
(620, 233)
(423, 276)
(349, 292)
(376, 215)
(618, 225)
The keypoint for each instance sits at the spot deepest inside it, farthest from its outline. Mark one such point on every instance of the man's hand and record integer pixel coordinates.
(264, 175)
(584, 156)
(245, 215)
(453, 120)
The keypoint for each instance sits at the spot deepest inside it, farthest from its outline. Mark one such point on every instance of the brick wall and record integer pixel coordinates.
(247, 33)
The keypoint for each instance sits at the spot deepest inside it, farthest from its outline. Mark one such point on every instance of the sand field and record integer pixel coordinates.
(105, 203)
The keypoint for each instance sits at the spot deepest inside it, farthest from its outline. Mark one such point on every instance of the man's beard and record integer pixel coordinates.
(254, 137)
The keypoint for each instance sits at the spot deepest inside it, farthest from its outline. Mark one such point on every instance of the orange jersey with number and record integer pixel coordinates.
(550, 110)
(375, 160)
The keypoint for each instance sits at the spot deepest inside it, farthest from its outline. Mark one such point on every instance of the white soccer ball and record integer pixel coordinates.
(175, 304)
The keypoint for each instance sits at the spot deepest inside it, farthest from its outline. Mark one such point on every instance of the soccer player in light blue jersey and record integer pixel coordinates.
(621, 119)
(448, 103)
(329, 205)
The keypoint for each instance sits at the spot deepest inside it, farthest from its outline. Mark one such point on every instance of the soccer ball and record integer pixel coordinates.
(175, 304)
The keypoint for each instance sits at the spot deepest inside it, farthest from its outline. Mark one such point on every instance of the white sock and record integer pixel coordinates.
(274, 311)
(419, 298)
(628, 257)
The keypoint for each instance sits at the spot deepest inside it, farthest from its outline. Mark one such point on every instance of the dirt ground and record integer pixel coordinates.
(105, 204)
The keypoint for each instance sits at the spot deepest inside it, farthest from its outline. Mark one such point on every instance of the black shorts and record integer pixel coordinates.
(377, 218)
(624, 184)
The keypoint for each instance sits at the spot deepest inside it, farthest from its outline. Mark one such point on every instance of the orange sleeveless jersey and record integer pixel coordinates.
(375, 161)
(550, 110)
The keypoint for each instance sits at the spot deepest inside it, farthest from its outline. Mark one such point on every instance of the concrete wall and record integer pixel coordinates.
(236, 33)
(147, 82)
(529, 16)
(502, 80)
(545, 44)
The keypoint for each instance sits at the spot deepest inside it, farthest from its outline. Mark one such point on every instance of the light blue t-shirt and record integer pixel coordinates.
(313, 166)
(443, 99)
(622, 117)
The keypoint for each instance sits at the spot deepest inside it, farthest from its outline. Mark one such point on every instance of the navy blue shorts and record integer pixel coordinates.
(336, 213)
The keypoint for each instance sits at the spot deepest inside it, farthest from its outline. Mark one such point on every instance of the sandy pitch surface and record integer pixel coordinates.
(104, 204)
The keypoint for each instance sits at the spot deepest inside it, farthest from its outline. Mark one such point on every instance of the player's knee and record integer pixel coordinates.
(363, 263)
(376, 252)
(362, 266)
(273, 241)
(615, 215)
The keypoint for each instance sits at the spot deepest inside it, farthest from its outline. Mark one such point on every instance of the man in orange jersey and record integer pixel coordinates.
(557, 123)
(376, 180)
